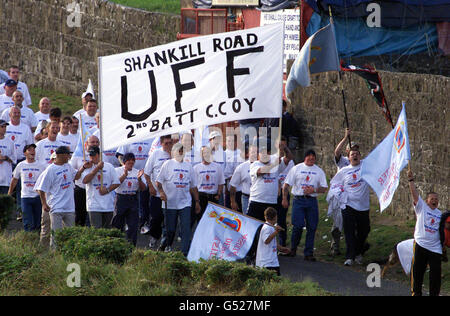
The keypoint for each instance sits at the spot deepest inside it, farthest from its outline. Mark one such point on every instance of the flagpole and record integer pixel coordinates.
(341, 83)
(100, 119)
(82, 138)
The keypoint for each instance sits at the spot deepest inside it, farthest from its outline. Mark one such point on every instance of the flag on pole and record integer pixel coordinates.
(373, 81)
(90, 89)
(381, 168)
(222, 234)
(319, 54)
(86, 132)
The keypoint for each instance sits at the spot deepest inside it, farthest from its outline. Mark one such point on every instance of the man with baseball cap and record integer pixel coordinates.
(6, 101)
(100, 179)
(28, 171)
(55, 187)
(7, 158)
(14, 74)
(126, 210)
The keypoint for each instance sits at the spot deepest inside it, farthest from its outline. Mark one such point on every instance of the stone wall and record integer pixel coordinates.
(319, 111)
(36, 35)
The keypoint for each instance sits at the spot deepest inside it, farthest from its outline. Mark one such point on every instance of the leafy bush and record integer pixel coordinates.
(6, 207)
(107, 245)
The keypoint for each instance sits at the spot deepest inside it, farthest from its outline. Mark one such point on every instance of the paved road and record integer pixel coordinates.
(332, 277)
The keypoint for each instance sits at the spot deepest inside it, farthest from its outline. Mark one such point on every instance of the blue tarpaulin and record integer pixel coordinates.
(355, 38)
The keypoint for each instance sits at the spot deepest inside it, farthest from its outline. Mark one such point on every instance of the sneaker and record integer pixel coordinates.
(359, 259)
(168, 249)
(153, 242)
(348, 262)
(145, 230)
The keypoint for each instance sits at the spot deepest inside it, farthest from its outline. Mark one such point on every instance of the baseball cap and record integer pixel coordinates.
(61, 150)
(214, 134)
(85, 94)
(10, 83)
(3, 122)
(25, 148)
(128, 156)
(94, 150)
(352, 144)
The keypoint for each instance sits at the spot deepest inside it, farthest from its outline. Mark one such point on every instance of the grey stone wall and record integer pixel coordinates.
(319, 110)
(36, 36)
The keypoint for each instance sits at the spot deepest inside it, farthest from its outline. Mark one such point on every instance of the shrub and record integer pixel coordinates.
(6, 207)
(107, 245)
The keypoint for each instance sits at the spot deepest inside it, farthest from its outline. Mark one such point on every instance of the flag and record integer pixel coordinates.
(222, 234)
(319, 54)
(86, 132)
(381, 168)
(90, 89)
(373, 81)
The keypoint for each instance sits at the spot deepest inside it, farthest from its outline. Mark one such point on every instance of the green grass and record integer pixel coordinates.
(386, 232)
(163, 6)
(67, 104)
(28, 269)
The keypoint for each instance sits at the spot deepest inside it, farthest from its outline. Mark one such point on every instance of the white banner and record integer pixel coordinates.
(381, 168)
(291, 19)
(186, 84)
(222, 234)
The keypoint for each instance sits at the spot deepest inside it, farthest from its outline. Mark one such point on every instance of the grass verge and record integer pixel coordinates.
(163, 6)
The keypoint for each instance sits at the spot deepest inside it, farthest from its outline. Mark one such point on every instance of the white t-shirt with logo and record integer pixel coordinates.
(5, 102)
(209, 177)
(69, 140)
(131, 183)
(20, 136)
(58, 184)
(140, 151)
(45, 148)
(356, 188)
(28, 173)
(154, 164)
(7, 148)
(426, 233)
(266, 255)
(283, 175)
(233, 159)
(27, 117)
(42, 117)
(177, 178)
(241, 178)
(264, 188)
(94, 201)
(302, 176)
(88, 121)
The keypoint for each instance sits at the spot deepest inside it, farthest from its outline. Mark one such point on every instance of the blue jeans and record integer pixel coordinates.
(171, 221)
(244, 199)
(32, 211)
(304, 211)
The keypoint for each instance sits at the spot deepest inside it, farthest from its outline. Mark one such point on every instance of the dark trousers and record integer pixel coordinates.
(204, 199)
(356, 229)
(80, 206)
(4, 190)
(281, 214)
(239, 201)
(156, 217)
(126, 212)
(423, 257)
(144, 209)
(256, 209)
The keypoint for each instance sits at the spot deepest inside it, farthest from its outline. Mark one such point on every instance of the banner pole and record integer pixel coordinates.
(341, 83)
(82, 138)
(99, 102)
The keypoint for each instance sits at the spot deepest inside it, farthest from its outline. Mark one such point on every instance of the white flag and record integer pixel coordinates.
(381, 168)
(222, 234)
(186, 84)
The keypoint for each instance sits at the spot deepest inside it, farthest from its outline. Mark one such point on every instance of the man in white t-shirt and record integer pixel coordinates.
(28, 172)
(64, 135)
(44, 110)
(151, 171)
(19, 133)
(55, 188)
(85, 97)
(100, 179)
(176, 183)
(232, 160)
(241, 181)
(26, 114)
(46, 147)
(126, 211)
(210, 182)
(55, 115)
(355, 216)
(14, 74)
(6, 100)
(427, 241)
(307, 180)
(88, 117)
(7, 158)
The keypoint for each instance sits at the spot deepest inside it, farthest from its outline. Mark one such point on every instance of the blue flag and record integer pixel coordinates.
(318, 54)
(85, 133)
(381, 168)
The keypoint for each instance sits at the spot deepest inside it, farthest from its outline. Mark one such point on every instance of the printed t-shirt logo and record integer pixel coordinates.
(207, 177)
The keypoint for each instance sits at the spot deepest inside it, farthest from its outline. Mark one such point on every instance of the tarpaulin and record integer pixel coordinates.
(274, 5)
(355, 38)
(352, 3)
